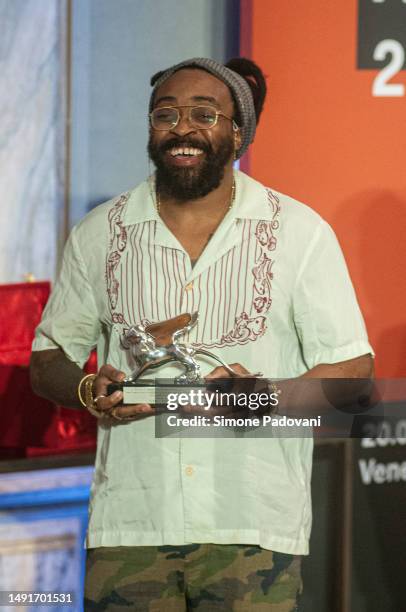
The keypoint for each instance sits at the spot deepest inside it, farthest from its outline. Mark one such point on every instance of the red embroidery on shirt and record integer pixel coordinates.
(117, 244)
(245, 330)
(145, 283)
(248, 328)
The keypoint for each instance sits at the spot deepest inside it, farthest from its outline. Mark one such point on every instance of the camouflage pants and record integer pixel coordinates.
(202, 577)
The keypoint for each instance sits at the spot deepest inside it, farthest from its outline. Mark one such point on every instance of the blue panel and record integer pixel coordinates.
(42, 532)
(40, 498)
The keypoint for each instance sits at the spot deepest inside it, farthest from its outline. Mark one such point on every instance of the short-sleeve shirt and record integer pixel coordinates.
(273, 293)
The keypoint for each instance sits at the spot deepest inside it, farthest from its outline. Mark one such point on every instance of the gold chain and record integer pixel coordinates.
(232, 199)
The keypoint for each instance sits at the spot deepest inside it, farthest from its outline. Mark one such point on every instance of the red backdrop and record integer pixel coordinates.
(326, 140)
(30, 425)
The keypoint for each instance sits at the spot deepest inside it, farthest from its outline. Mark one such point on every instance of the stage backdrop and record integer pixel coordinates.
(333, 135)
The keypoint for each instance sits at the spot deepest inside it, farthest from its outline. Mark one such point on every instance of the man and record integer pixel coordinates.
(212, 524)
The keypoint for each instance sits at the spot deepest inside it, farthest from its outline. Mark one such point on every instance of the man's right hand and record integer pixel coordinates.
(110, 404)
(56, 377)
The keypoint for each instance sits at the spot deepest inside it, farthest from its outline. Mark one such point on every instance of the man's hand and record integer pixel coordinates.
(109, 404)
(56, 378)
(221, 372)
(238, 384)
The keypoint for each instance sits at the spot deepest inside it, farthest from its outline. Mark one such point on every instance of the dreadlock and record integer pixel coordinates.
(255, 79)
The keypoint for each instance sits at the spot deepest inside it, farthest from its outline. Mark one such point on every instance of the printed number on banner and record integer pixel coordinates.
(380, 86)
(384, 434)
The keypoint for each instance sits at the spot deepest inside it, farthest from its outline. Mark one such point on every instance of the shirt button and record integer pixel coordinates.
(189, 286)
(189, 471)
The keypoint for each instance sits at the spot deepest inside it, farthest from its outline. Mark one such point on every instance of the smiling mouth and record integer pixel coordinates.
(185, 152)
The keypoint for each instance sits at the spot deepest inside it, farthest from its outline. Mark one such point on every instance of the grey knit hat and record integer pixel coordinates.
(239, 87)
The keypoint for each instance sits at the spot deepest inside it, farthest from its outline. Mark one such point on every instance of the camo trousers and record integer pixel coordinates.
(202, 577)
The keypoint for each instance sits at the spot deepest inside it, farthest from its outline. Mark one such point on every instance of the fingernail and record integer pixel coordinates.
(117, 395)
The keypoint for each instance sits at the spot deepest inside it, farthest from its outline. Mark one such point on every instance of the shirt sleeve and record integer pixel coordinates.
(70, 320)
(328, 319)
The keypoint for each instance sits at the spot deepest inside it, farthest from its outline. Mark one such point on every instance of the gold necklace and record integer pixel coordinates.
(232, 199)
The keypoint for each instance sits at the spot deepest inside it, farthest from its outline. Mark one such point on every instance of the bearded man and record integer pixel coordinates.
(178, 523)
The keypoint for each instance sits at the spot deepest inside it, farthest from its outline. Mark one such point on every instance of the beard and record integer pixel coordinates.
(190, 183)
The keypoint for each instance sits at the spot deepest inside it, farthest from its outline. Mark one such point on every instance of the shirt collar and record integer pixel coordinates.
(141, 204)
(252, 201)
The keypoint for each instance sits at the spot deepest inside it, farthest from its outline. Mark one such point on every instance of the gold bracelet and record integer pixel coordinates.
(91, 403)
(82, 380)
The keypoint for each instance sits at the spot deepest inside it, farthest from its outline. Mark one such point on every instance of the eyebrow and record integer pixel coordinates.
(165, 99)
(172, 99)
(206, 99)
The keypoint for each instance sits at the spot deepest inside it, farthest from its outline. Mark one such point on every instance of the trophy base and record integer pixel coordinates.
(149, 391)
(135, 392)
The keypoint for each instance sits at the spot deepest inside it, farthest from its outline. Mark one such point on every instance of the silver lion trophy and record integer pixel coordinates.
(152, 346)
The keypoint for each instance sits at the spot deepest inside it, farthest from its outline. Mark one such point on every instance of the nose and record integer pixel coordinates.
(183, 126)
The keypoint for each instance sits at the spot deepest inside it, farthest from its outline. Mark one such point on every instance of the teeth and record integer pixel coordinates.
(185, 151)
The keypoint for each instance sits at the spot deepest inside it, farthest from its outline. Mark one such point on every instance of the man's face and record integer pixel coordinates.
(190, 176)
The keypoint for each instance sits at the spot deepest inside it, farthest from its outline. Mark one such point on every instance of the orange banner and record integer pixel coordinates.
(333, 135)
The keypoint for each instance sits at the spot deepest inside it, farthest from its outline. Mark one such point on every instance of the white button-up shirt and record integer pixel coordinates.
(273, 293)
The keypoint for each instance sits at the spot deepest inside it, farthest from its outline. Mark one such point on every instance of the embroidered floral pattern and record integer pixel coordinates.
(117, 244)
(245, 330)
(145, 283)
(249, 328)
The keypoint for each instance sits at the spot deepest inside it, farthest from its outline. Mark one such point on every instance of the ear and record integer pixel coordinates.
(237, 137)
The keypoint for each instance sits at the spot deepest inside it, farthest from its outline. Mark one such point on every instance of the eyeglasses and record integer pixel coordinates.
(199, 117)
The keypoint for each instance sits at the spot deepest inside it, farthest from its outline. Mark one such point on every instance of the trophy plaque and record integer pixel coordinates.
(155, 345)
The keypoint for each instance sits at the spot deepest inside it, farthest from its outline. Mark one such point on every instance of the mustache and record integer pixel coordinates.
(185, 142)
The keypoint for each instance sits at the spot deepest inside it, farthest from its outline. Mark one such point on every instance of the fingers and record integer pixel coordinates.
(132, 412)
(105, 403)
(110, 405)
(221, 372)
(114, 375)
(107, 375)
(241, 371)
